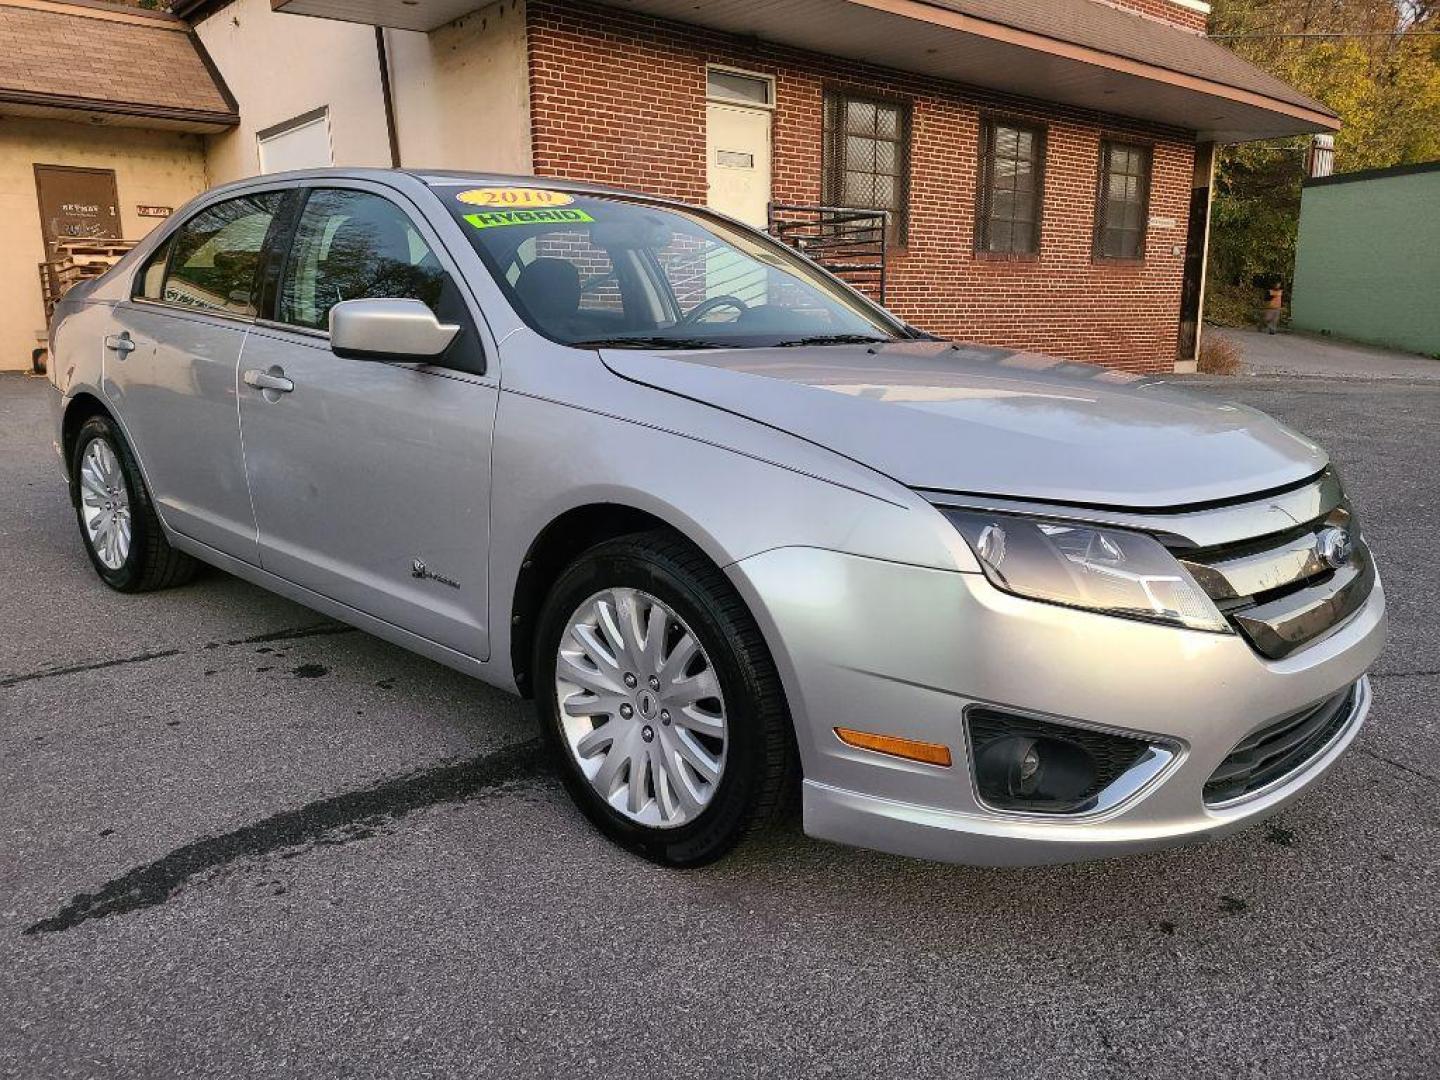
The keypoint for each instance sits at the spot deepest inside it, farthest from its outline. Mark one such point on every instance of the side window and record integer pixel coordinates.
(351, 245)
(216, 257)
(150, 282)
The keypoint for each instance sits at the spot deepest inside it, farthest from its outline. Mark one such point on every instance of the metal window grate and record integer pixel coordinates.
(866, 157)
(1011, 188)
(1123, 204)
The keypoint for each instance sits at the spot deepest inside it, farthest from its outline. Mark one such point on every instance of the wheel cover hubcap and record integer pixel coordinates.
(640, 708)
(105, 504)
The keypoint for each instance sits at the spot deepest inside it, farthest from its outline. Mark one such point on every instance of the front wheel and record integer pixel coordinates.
(660, 700)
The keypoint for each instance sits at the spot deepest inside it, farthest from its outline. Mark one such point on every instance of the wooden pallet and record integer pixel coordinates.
(74, 261)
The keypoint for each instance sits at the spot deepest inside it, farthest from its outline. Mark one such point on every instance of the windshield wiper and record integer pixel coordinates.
(646, 343)
(834, 339)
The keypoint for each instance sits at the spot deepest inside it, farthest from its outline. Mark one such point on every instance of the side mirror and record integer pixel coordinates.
(388, 330)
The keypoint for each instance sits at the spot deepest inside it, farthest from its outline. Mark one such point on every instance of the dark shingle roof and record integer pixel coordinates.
(79, 55)
(1106, 29)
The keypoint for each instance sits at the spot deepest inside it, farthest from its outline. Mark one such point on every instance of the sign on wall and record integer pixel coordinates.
(154, 211)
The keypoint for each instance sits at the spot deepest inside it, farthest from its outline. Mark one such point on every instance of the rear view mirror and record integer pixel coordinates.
(631, 233)
(388, 330)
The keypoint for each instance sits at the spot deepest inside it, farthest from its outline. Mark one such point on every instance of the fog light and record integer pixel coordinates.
(1020, 772)
(1029, 765)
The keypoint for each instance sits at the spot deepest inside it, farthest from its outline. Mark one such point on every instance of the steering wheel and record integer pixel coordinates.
(700, 310)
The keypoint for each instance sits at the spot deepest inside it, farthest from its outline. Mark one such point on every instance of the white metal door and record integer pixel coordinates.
(737, 154)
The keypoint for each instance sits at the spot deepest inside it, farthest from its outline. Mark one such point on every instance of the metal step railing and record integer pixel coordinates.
(848, 241)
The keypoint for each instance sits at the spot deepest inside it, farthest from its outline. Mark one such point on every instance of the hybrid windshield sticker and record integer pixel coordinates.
(496, 218)
(514, 198)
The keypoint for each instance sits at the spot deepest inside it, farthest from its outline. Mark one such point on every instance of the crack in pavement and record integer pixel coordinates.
(339, 819)
(315, 630)
(1418, 673)
(51, 673)
(1398, 765)
(325, 629)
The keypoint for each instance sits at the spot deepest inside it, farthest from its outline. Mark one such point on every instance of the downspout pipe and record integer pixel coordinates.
(382, 53)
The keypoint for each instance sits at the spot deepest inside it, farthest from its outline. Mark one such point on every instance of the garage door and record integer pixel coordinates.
(301, 143)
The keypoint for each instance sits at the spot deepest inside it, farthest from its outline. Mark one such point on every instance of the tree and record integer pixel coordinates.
(1377, 74)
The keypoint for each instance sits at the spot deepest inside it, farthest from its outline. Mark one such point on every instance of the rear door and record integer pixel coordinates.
(170, 368)
(371, 480)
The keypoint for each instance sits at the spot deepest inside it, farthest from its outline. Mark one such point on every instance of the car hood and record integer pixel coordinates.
(993, 421)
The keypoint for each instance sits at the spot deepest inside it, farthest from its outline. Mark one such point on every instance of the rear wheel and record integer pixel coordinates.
(122, 535)
(660, 700)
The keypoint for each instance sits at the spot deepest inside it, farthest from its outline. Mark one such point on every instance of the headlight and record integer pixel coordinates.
(1084, 566)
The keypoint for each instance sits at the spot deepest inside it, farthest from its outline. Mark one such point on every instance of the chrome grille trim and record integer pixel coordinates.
(1279, 591)
(1295, 561)
(1282, 626)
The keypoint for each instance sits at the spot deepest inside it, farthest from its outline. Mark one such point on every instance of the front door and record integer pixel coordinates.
(737, 155)
(370, 479)
(77, 204)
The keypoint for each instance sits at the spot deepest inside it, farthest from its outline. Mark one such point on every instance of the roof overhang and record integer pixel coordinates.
(939, 41)
(113, 113)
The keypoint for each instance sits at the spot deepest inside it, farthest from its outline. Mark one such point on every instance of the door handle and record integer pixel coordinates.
(120, 343)
(273, 380)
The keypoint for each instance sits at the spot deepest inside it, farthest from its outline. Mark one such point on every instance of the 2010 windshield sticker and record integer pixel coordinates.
(497, 218)
(514, 198)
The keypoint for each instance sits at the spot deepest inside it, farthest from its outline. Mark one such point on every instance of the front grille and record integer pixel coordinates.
(1279, 591)
(1279, 749)
(1114, 755)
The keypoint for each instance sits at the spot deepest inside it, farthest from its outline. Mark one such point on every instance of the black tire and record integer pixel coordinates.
(151, 563)
(760, 750)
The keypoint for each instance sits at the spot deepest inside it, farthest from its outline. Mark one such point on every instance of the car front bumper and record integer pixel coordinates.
(903, 650)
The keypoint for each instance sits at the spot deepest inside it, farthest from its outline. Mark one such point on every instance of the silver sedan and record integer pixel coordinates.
(732, 526)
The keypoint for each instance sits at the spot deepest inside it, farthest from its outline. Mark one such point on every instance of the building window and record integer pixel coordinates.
(866, 157)
(742, 88)
(1012, 167)
(1123, 206)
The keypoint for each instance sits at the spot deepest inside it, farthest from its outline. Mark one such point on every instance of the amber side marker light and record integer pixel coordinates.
(909, 749)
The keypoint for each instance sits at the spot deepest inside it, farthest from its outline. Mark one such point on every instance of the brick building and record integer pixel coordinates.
(1045, 164)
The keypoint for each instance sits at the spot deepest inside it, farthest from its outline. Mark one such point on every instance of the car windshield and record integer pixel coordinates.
(605, 271)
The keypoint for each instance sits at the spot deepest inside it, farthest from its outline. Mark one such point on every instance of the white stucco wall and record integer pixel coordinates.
(462, 92)
(152, 168)
(282, 66)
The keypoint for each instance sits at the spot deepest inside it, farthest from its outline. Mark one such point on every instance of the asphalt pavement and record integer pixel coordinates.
(240, 840)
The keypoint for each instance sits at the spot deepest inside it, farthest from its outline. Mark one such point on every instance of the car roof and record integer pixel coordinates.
(441, 178)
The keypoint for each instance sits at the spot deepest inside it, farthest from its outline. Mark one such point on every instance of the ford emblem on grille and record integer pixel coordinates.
(1334, 547)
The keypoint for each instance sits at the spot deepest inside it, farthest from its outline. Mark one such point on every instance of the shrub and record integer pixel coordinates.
(1219, 355)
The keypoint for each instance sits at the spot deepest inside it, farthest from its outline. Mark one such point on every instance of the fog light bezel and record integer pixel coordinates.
(1159, 756)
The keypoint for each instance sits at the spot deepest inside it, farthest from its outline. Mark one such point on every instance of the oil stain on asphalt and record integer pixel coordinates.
(340, 819)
